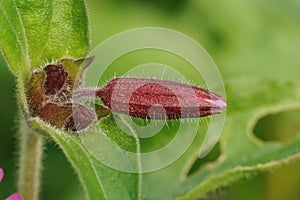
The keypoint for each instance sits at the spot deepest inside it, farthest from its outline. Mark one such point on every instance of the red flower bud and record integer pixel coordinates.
(159, 99)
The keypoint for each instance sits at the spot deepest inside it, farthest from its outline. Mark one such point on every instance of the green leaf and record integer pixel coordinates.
(242, 154)
(98, 180)
(35, 32)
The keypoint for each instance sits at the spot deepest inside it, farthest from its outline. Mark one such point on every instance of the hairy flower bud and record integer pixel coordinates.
(159, 99)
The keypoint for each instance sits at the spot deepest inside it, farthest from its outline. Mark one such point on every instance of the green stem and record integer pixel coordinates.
(31, 149)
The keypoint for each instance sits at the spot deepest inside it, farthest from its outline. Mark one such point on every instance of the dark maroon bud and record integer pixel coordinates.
(56, 78)
(49, 95)
(159, 99)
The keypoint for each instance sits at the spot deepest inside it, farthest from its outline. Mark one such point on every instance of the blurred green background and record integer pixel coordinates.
(244, 38)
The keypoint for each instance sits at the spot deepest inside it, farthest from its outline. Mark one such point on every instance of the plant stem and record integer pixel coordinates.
(31, 148)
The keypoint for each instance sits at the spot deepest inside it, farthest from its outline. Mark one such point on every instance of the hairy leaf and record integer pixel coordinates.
(35, 32)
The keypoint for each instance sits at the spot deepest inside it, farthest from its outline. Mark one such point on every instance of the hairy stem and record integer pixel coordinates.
(31, 148)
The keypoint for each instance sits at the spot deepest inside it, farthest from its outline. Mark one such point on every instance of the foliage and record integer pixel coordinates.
(31, 35)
